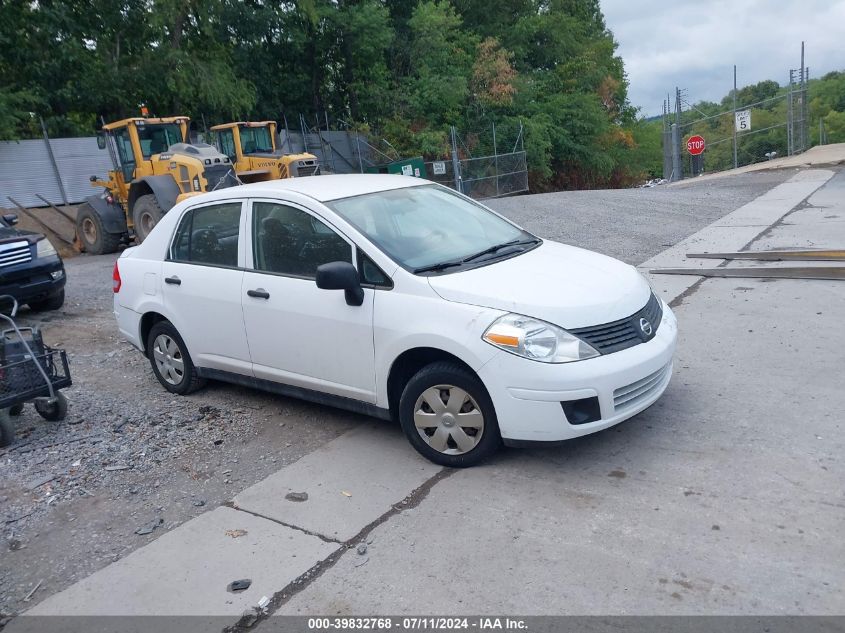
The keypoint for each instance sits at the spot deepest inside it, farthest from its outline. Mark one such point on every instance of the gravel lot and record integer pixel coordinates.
(129, 455)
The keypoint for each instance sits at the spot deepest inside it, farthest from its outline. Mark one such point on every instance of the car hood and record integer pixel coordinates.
(568, 286)
(10, 234)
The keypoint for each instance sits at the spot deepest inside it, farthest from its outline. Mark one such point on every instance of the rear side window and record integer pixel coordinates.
(209, 235)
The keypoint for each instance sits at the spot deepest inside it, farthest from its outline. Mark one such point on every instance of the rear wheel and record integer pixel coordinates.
(91, 232)
(448, 416)
(7, 428)
(53, 302)
(146, 214)
(171, 361)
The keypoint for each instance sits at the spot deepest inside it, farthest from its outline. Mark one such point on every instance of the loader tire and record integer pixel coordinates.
(93, 235)
(145, 215)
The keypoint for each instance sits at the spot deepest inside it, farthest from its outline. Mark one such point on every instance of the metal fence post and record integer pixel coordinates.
(53, 161)
(456, 164)
(736, 164)
(496, 159)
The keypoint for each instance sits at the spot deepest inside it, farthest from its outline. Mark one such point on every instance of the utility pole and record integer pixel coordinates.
(803, 102)
(736, 164)
(677, 167)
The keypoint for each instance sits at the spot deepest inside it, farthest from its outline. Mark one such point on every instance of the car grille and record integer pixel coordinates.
(305, 168)
(624, 333)
(15, 253)
(220, 177)
(631, 395)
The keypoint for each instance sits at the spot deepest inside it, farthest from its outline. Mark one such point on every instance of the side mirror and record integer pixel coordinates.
(101, 140)
(341, 276)
(11, 219)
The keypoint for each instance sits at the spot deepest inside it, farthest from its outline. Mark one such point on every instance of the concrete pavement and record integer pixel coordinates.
(724, 497)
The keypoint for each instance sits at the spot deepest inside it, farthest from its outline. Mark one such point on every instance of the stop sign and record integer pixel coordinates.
(695, 145)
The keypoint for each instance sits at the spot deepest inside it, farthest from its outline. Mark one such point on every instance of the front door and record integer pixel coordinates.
(299, 334)
(202, 281)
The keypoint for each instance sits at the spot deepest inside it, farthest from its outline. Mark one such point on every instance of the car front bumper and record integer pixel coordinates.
(33, 281)
(528, 395)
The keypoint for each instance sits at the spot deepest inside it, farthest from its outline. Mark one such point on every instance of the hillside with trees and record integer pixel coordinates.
(768, 103)
(403, 70)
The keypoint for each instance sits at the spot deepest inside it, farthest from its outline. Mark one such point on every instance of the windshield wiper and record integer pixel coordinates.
(474, 256)
(498, 247)
(440, 266)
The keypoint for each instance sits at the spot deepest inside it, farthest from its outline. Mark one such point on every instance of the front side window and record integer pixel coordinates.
(125, 153)
(227, 144)
(209, 235)
(289, 241)
(426, 225)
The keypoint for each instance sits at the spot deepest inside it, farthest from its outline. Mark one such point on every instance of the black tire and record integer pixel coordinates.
(53, 412)
(53, 302)
(145, 215)
(93, 235)
(450, 376)
(7, 428)
(16, 409)
(175, 382)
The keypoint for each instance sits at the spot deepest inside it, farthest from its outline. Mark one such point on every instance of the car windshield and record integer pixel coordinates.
(255, 139)
(429, 227)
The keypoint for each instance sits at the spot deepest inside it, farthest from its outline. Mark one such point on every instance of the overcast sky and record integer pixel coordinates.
(695, 43)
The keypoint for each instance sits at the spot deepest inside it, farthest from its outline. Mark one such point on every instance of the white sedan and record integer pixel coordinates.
(398, 298)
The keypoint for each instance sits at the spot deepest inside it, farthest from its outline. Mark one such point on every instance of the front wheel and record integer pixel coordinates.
(55, 411)
(171, 361)
(53, 302)
(145, 215)
(447, 415)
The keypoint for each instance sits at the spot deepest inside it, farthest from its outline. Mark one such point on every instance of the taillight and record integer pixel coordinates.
(115, 276)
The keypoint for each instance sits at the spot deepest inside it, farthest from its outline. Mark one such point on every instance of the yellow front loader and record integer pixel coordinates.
(251, 146)
(154, 166)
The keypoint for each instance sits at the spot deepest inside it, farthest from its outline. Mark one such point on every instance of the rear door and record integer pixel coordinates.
(202, 281)
(299, 334)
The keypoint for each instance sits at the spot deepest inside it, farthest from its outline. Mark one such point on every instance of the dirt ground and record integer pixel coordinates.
(129, 454)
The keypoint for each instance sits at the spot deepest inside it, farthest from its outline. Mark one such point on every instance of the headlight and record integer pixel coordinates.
(43, 248)
(536, 340)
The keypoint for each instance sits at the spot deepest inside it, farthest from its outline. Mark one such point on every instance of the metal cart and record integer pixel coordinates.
(30, 371)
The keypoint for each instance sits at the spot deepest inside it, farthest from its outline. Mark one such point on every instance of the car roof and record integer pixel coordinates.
(328, 187)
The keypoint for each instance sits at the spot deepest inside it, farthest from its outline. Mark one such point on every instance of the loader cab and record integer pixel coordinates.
(240, 140)
(258, 138)
(137, 140)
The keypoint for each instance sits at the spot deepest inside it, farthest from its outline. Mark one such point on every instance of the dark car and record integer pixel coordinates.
(30, 268)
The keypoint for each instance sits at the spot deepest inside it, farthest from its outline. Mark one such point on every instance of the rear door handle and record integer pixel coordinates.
(175, 281)
(259, 293)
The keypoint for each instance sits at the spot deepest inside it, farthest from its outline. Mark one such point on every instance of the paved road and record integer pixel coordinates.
(725, 497)
(635, 224)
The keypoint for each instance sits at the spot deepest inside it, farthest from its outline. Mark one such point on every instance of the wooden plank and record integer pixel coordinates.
(826, 273)
(776, 256)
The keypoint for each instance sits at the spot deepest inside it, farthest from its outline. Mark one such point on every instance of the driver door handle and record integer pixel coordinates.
(175, 281)
(258, 293)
